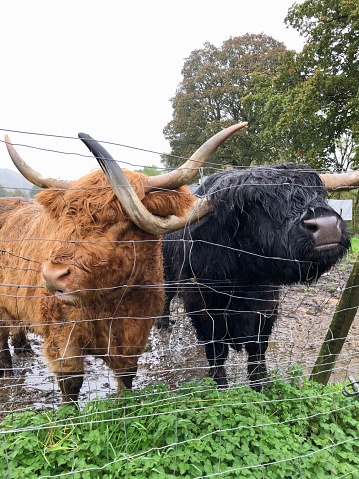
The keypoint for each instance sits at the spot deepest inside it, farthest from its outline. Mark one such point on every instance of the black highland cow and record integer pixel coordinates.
(270, 226)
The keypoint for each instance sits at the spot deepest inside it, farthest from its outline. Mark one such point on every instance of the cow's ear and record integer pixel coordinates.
(53, 201)
(168, 202)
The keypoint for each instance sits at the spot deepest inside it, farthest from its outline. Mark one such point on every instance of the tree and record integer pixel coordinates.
(4, 191)
(312, 107)
(216, 91)
(150, 170)
(11, 192)
(34, 191)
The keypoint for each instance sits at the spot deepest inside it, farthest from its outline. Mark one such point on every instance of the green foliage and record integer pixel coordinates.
(311, 107)
(301, 107)
(216, 92)
(4, 191)
(355, 244)
(34, 191)
(296, 429)
(8, 192)
(150, 170)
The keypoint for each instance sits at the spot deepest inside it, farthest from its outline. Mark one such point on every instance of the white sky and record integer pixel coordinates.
(109, 68)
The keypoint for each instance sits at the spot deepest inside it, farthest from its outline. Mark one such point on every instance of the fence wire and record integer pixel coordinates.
(171, 385)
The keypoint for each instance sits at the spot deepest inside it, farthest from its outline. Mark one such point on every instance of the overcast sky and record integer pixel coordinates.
(109, 68)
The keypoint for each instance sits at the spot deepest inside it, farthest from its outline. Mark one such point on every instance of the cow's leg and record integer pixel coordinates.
(20, 342)
(70, 385)
(256, 365)
(126, 345)
(66, 360)
(253, 329)
(245, 329)
(211, 330)
(5, 356)
(172, 268)
(163, 322)
(217, 353)
(125, 379)
(256, 346)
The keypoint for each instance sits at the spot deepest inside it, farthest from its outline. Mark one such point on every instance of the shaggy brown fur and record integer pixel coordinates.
(111, 275)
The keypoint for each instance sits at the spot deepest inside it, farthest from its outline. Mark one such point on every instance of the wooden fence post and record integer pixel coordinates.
(339, 328)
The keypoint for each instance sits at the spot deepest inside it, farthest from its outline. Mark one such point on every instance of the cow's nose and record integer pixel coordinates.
(325, 229)
(56, 276)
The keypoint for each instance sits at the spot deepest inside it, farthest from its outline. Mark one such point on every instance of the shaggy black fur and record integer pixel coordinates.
(229, 266)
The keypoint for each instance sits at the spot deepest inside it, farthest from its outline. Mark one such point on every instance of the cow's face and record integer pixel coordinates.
(305, 244)
(96, 251)
(282, 213)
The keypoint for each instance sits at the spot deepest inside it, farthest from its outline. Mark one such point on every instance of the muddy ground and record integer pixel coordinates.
(175, 357)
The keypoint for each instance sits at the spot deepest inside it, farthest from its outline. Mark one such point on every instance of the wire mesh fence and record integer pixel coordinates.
(175, 356)
(177, 422)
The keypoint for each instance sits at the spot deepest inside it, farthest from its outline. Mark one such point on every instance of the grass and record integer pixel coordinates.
(294, 429)
(355, 244)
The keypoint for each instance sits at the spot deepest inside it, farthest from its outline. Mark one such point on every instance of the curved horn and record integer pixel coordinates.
(340, 181)
(31, 175)
(185, 173)
(156, 225)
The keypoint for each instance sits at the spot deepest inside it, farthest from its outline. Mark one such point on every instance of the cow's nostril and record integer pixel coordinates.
(56, 276)
(325, 230)
(311, 225)
(64, 273)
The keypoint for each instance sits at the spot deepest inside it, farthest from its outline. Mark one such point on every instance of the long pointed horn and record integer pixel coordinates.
(185, 173)
(340, 181)
(156, 225)
(30, 174)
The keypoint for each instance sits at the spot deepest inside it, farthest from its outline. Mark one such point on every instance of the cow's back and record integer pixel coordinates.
(20, 255)
(10, 206)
